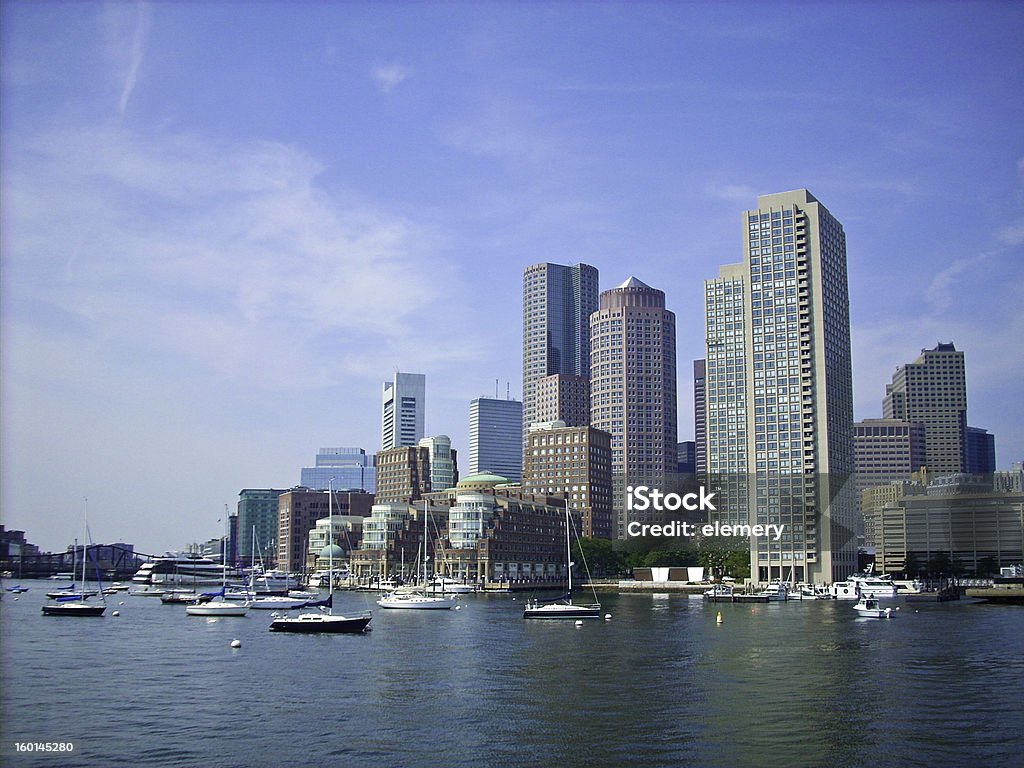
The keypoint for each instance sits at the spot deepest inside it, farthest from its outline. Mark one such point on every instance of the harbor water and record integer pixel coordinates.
(662, 683)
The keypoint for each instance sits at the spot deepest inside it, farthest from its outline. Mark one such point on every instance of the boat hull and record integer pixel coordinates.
(217, 609)
(417, 603)
(311, 624)
(74, 609)
(562, 611)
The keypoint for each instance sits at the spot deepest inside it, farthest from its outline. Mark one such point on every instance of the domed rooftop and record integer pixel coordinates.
(480, 481)
(331, 550)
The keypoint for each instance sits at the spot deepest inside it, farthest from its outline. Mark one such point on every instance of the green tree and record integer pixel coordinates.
(600, 556)
(940, 564)
(987, 566)
(725, 556)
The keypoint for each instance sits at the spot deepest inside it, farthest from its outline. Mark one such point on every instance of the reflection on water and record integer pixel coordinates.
(662, 683)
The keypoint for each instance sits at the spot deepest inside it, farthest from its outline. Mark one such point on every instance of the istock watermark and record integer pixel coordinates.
(642, 498)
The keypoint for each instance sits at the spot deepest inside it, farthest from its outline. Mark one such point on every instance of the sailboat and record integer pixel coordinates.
(563, 607)
(411, 598)
(75, 604)
(17, 588)
(319, 621)
(220, 607)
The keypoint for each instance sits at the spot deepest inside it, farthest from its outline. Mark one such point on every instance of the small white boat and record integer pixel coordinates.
(217, 608)
(775, 592)
(720, 593)
(445, 586)
(869, 608)
(414, 600)
(277, 603)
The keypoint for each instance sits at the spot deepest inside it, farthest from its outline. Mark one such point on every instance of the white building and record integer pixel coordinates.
(403, 405)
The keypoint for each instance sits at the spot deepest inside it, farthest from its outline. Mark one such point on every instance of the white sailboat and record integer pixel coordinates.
(318, 621)
(220, 607)
(411, 598)
(563, 607)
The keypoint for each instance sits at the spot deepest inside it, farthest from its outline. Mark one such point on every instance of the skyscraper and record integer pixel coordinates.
(496, 438)
(932, 391)
(402, 410)
(633, 385)
(700, 416)
(557, 304)
(562, 397)
(779, 389)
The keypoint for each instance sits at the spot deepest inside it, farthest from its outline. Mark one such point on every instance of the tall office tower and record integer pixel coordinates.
(932, 391)
(561, 397)
(633, 386)
(257, 517)
(557, 304)
(700, 416)
(780, 389)
(885, 451)
(341, 468)
(403, 409)
(444, 467)
(686, 457)
(496, 437)
(575, 462)
(981, 451)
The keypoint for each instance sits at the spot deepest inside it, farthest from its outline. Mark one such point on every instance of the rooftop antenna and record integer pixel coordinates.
(508, 390)
(495, 389)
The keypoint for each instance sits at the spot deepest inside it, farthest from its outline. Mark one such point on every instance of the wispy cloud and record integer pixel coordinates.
(390, 76)
(940, 290)
(126, 28)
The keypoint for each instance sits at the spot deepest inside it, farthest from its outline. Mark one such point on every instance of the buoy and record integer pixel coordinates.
(579, 623)
(458, 607)
(236, 643)
(121, 603)
(607, 617)
(15, 598)
(116, 613)
(719, 620)
(211, 621)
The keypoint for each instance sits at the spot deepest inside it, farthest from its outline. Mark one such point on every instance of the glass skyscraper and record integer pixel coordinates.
(342, 469)
(557, 304)
(495, 437)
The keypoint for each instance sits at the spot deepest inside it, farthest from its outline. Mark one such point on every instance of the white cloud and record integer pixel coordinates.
(942, 287)
(390, 76)
(126, 30)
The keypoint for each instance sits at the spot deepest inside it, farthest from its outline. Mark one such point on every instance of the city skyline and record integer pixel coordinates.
(212, 257)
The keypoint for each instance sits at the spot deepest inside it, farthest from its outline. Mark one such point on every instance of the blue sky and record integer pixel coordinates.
(223, 225)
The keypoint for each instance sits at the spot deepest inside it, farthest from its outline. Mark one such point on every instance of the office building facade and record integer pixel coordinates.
(557, 303)
(403, 409)
(444, 467)
(257, 523)
(496, 438)
(932, 391)
(633, 386)
(341, 468)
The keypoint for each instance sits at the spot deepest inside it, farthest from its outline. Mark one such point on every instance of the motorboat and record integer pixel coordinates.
(183, 569)
(869, 607)
(872, 585)
(844, 590)
(777, 592)
(720, 593)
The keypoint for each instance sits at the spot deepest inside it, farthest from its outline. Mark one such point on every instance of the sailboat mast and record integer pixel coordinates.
(330, 543)
(568, 554)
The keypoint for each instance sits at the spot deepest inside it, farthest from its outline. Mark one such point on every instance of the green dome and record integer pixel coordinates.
(331, 550)
(482, 480)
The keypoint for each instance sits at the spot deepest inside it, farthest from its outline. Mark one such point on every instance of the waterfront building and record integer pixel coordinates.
(257, 516)
(444, 466)
(499, 533)
(932, 391)
(403, 474)
(779, 390)
(341, 468)
(395, 539)
(574, 462)
(874, 498)
(633, 386)
(297, 512)
(495, 437)
(563, 397)
(700, 415)
(557, 303)
(981, 451)
(960, 523)
(403, 410)
(345, 532)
